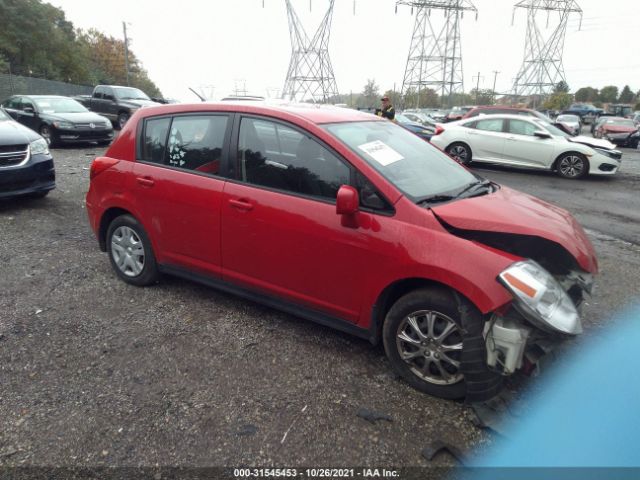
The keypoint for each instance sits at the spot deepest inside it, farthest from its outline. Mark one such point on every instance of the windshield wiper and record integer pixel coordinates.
(486, 186)
(436, 199)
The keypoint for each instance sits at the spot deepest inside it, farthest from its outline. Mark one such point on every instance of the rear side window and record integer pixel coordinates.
(276, 156)
(154, 140)
(195, 142)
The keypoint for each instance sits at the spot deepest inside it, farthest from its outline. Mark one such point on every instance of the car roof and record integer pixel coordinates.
(313, 113)
(505, 116)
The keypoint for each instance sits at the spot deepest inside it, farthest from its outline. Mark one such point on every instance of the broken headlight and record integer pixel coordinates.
(540, 298)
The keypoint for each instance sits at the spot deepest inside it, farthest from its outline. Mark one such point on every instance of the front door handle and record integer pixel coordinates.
(146, 181)
(241, 204)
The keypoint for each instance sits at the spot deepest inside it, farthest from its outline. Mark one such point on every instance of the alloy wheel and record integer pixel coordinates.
(460, 153)
(571, 166)
(127, 251)
(430, 343)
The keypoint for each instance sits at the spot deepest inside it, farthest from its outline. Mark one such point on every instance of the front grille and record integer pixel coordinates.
(13, 155)
(13, 148)
(96, 125)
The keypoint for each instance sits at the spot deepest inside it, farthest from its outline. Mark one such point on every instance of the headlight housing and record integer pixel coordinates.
(540, 298)
(39, 146)
(63, 125)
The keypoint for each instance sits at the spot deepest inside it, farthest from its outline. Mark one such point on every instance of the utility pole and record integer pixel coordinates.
(126, 50)
(478, 87)
(495, 78)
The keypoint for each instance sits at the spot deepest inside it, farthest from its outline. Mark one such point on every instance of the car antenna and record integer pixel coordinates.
(202, 99)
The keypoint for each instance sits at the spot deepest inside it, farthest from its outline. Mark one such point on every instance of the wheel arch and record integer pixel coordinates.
(554, 166)
(393, 292)
(107, 217)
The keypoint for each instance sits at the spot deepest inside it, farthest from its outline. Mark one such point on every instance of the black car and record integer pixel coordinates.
(59, 119)
(26, 166)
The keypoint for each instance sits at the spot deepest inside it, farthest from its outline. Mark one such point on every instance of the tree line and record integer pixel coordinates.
(560, 98)
(37, 40)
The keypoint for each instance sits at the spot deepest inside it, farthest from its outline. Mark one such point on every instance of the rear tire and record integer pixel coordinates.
(461, 152)
(433, 339)
(130, 252)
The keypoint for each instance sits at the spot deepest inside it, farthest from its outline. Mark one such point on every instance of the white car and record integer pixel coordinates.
(571, 122)
(526, 142)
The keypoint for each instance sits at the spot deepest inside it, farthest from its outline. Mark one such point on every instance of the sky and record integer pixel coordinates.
(216, 46)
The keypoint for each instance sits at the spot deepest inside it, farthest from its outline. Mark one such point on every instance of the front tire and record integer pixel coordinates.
(45, 132)
(433, 339)
(130, 252)
(461, 152)
(572, 166)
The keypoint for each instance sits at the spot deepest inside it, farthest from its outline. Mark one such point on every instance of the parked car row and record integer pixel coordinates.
(59, 120)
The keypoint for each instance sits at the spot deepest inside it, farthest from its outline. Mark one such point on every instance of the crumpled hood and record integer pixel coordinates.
(510, 211)
(593, 142)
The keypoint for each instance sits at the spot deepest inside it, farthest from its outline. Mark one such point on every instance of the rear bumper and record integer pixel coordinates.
(38, 175)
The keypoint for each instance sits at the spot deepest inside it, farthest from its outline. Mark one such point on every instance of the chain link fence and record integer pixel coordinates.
(19, 85)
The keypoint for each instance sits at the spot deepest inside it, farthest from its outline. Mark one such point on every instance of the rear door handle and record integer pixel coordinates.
(146, 181)
(241, 204)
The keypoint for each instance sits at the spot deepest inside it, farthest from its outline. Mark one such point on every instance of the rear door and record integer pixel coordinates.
(179, 187)
(486, 139)
(522, 147)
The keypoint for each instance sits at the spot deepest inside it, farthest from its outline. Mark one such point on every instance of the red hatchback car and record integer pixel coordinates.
(348, 220)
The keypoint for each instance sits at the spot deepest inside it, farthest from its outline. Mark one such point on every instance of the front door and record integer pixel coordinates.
(522, 147)
(280, 230)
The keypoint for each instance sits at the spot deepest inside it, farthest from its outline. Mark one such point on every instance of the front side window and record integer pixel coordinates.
(519, 127)
(276, 156)
(492, 125)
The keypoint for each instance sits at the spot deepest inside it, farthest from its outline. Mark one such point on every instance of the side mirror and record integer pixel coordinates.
(347, 201)
(541, 134)
(28, 110)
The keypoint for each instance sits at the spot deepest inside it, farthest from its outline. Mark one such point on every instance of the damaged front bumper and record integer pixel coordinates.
(515, 340)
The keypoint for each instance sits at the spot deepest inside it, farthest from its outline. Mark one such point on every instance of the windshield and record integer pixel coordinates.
(552, 129)
(568, 118)
(58, 105)
(413, 166)
(3, 116)
(126, 93)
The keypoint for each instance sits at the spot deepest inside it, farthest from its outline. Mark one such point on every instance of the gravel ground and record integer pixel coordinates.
(96, 372)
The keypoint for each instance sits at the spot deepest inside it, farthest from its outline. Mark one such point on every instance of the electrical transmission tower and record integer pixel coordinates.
(435, 57)
(310, 74)
(542, 68)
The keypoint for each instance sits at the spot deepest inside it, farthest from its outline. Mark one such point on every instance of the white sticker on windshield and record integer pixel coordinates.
(381, 152)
